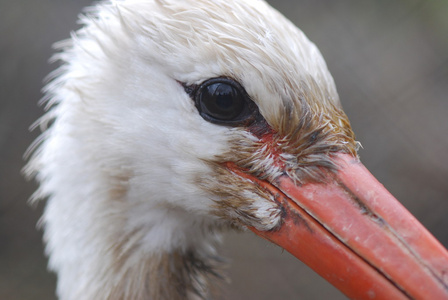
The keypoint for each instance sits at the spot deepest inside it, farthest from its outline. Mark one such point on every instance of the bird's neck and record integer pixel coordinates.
(109, 245)
(121, 262)
(180, 274)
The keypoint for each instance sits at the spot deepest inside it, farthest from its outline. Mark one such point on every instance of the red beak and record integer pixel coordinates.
(356, 235)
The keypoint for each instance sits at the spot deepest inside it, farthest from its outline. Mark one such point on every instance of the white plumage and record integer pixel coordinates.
(121, 162)
(131, 169)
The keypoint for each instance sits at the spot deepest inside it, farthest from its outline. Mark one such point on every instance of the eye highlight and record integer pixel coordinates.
(223, 101)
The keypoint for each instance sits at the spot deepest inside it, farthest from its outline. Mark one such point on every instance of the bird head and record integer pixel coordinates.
(181, 97)
(223, 111)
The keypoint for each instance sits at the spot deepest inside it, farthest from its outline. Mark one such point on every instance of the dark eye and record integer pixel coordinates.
(224, 101)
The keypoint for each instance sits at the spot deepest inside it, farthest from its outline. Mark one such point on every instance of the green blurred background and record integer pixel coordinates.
(389, 59)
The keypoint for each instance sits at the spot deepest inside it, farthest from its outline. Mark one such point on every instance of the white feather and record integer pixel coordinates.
(127, 144)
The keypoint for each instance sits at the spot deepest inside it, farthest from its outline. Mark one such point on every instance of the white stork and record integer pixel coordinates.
(173, 120)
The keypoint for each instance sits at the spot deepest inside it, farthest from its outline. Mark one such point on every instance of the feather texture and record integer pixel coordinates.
(136, 191)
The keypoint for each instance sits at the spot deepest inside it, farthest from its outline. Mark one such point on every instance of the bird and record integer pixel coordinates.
(169, 122)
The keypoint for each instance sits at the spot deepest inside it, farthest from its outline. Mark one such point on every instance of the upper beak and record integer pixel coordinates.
(356, 235)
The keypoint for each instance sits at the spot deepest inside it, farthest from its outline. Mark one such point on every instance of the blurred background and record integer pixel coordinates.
(389, 59)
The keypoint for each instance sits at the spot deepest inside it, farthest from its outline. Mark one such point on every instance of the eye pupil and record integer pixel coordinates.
(224, 96)
(221, 101)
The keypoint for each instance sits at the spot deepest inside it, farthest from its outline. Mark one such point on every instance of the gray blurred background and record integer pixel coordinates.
(389, 59)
